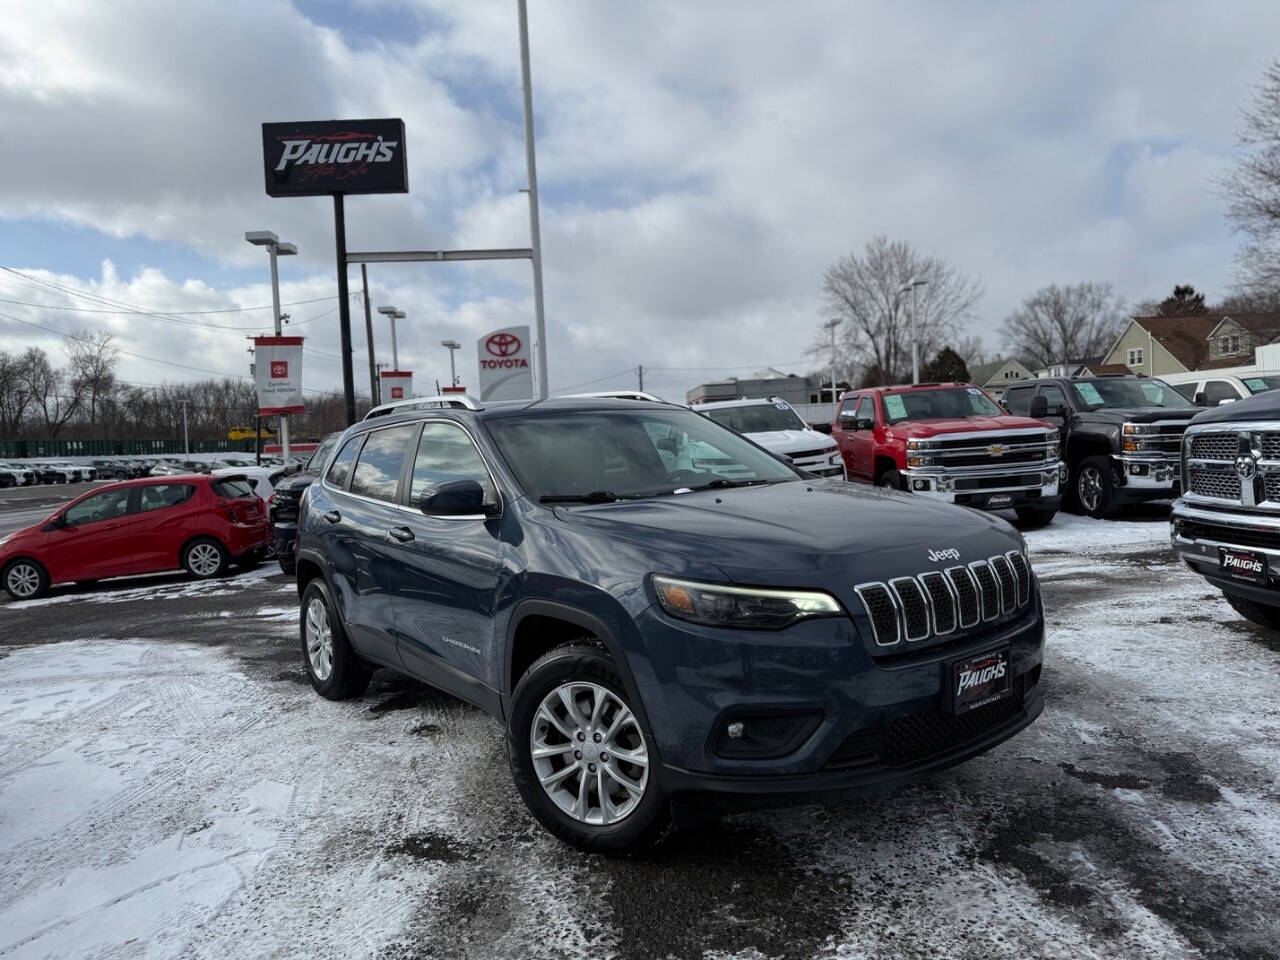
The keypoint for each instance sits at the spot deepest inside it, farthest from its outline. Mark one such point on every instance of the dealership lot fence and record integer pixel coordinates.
(18, 449)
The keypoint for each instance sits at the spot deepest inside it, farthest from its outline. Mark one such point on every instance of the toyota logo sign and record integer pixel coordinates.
(279, 369)
(502, 344)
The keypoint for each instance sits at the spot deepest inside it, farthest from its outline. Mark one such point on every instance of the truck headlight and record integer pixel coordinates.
(919, 461)
(1132, 429)
(721, 605)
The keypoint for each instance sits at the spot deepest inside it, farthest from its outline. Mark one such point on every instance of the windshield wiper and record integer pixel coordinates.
(720, 483)
(595, 496)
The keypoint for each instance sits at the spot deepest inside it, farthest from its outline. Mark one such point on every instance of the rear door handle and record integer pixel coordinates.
(333, 516)
(403, 534)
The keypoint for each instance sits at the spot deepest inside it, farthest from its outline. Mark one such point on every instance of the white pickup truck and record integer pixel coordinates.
(772, 424)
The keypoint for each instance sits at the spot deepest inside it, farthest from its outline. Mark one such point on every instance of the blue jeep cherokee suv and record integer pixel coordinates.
(665, 616)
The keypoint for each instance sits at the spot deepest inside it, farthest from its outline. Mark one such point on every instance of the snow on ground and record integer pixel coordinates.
(188, 795)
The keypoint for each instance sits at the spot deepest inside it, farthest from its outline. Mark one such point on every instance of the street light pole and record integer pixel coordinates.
(535, 239)
(393, 314)
(832, 325)
(265, 238)
(915, 343)
(452, 345)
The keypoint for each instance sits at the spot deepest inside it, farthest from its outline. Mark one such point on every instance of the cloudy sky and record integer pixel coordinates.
(701, 164)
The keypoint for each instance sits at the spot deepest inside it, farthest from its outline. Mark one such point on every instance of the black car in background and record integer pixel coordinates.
(284, 501)
(1226, 526)
(1121, 435)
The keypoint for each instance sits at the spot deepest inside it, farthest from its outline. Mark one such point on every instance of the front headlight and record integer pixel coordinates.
(1131, 429)
(721, 605)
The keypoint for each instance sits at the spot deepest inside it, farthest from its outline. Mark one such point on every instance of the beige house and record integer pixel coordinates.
(1163, 345)
(994, 377)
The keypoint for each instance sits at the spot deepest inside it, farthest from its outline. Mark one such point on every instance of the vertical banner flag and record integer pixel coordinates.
(505, 373)
(396, 385)
(277, 364)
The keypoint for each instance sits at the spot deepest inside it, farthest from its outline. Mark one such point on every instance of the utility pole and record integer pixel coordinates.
(275, 248)
(640, 374)
(535, 239)
(915, 343)
(832, 325)
(186, 442)
(375, 395)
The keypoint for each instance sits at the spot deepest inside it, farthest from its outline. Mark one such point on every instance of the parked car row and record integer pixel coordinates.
(31, 472)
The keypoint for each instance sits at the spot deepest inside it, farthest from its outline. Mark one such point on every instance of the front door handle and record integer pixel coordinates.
(403, 534)
(333, 516)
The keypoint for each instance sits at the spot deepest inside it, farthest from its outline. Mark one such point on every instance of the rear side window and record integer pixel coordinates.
(163, 495)
(1018, 400)
(233, 489)
(340, 469)
(377, 471)
(445, 454)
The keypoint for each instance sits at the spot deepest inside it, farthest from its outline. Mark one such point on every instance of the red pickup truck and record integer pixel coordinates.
(952, 441)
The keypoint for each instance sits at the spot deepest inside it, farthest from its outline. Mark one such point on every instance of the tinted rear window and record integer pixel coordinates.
(233, 488)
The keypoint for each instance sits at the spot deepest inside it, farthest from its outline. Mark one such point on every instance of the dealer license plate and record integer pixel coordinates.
(979, 680)
(1243, 564)
(999, 500)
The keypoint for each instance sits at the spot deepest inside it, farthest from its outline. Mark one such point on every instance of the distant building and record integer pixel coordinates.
(1165, 345)
(767, 383)
(995, 376)
(1071, 368)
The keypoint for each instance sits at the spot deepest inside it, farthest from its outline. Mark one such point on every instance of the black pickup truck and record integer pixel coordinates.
(1121, 435)
(1226, 526)
(285, 498)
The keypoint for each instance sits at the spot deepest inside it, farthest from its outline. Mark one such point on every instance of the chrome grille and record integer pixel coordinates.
(915, 608)
(936, 603)
(1271, 446)
(941, 600)
(966, 595)
(1215, 446)
(1271, 484)
(988, 588)
(1209, 482)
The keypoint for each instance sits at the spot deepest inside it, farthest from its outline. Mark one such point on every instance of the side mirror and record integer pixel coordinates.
(57, 523)
(1200, 399)
(864, 423)
(1039, 408)
(668, 444)
(457, 498)
(1226, 401)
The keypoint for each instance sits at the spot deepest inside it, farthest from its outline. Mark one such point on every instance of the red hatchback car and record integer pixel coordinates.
(148, 525)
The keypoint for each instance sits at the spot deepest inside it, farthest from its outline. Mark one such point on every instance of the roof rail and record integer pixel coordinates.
(459, 400)
(613, 395)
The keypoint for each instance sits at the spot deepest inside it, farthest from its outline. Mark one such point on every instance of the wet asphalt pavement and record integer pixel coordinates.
(1139, 817)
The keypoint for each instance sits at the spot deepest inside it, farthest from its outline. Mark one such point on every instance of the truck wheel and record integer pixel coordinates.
(335, 671)
(1092, 486)
(891, 478)
(579, 757)
(1263, 614)
(1033, 519)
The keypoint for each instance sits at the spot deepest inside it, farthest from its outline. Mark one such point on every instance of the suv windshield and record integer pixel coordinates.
(605, 455)
(1123, 392)
(949, 403)
(757, 418)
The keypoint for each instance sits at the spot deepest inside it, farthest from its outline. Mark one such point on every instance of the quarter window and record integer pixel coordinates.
(164, 495)
(445, 454)
(340, 469)
(377, 471)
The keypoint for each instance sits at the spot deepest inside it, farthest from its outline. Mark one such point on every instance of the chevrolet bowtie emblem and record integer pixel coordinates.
(997, 450)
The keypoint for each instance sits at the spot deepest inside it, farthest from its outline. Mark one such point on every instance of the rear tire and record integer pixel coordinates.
(288, 565)
(590, 798)
(205, 558)
(332, 666)
(1263, 614)
(1033, 519)
(25, 579)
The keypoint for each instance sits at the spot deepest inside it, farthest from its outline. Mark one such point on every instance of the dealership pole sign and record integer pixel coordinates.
(278, 375)
(396, 385)
(312, 158)
(505, 373)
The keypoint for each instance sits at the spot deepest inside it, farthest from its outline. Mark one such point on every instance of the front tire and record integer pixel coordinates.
(1263, 614)
(332, 666)
(1093, 487)
(1033, 519)
(205, 558)
(25, 579)
(891, 478)
(578, 755)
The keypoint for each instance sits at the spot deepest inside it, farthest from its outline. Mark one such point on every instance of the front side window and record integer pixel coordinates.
(321, 455)
(162, 495)
(614, 454)
(758, 418)
(446, 454)
(1018, 400)
(377, 470)
(951, 403)
(1125, 392)
(340, 469)
(101, 506)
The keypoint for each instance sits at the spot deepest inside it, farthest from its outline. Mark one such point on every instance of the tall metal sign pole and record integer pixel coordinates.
(344, 308)
(368, 332)
(535, 239)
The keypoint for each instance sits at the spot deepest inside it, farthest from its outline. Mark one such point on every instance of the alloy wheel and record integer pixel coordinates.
(23, 580)
(588, 753)
(204, 559)
(319, 639)
(1089, 487)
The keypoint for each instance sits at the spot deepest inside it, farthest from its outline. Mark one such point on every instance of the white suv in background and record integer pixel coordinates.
(774, 425)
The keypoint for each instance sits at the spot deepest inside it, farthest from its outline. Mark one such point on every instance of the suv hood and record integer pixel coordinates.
(826, 535)
(790, 441)
(936, 428)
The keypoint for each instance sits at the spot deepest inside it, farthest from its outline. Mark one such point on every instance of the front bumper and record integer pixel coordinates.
(992, 488)
(875, 720)
(1197, 534)
(1148, 478)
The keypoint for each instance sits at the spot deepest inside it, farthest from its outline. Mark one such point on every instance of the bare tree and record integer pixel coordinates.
(1056, 324)
(93, 365)
(864, 293)
(54, 396)
(1253, 187)
(15, 395)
